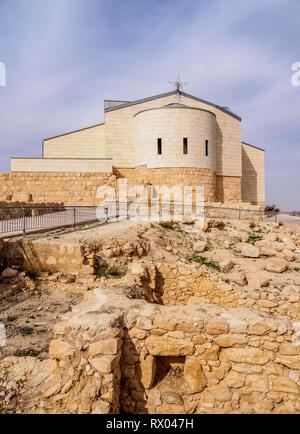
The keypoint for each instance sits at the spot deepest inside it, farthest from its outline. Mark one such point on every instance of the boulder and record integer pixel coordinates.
(148, 367)
(249, 251)
(276, 265)
(168, 346)
(199, 246)
(226, 265)
(245, 355)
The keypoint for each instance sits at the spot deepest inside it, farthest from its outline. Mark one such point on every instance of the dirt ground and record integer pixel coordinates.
(29, 308)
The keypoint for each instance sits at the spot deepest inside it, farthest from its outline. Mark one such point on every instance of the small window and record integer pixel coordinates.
(185, 146)
(206, 148)
(159, 146)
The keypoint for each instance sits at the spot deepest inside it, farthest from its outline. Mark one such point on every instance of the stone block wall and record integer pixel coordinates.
(253, 180)
(172, 177)
(228, 189)
(66, 188)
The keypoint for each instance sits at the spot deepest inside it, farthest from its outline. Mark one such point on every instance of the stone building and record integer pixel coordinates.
(169, 139)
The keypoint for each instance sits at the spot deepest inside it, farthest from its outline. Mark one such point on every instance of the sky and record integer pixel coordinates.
(64, 57)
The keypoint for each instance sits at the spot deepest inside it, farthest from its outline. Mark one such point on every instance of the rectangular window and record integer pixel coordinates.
(159, 146)
(206, 148)
(185, 146)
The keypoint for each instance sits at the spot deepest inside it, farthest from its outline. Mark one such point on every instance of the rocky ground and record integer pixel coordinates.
(232, 264)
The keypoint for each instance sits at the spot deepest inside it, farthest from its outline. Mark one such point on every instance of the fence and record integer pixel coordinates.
(23, 219)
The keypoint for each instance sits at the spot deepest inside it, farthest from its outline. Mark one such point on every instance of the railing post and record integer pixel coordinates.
(24, 220)
(106, 213)
(74, 216)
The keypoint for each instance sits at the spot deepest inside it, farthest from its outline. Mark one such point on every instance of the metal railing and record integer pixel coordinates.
(24, 219)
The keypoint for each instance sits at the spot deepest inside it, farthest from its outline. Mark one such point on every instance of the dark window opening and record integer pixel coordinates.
(185, 146)
(159, 146)
(206, 148)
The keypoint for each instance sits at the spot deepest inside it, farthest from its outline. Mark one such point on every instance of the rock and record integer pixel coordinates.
(288, 256)
(267, 303)
(267, 251)
(68, 278)
(292, 362)
(199, 246)
(234, 380)
(136, 268)
(257, 383)
(107, 346)
(226, 265)
(101, 407)
(52, 386)
(104, 364)
(284, 384)
(219, 393)
(276, 265)
(168, 346)
(249, 251)
(244, 355)
(171, 398)
(148, 367)
(288, 349)
(60, 349)
(217, 327)
(8, 273)
(227, 341)
(238, 277)
(194, 377)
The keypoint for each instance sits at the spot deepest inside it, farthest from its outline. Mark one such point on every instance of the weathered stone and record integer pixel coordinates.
(8, 273)
(259, 329)
(52, 386)
(292, 362)
(108, 346)
(219, 393)
(167, 346)
(212, 353)
(249, 251)
(284, 384)
(199, 246)
(171, 398)
(60, 349)
(226, 265)
(257, 383)
(104, 364)
(245, 355)
(238, 277)
(276, 265)
(288, 349)
(230, 340)
(148, 367)
(234, 380)
(194, 377)
(217, 327)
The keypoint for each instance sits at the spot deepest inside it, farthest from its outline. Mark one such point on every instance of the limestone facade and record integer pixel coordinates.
(165, 139)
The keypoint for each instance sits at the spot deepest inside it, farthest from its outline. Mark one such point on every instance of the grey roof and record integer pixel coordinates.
(163, 95)
(252, 146)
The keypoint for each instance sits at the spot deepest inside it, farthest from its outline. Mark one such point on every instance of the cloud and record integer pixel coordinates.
(64, 57)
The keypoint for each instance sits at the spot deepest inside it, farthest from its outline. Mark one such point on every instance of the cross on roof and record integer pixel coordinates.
(178, 84)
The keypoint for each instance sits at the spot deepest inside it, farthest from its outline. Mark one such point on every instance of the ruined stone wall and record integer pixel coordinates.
(173, 360)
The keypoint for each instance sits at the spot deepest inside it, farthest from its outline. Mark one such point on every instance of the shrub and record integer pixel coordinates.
(253, 238)
(30, 352)
(220, 225)
(26, 331)
(171, 226)
(204, 261)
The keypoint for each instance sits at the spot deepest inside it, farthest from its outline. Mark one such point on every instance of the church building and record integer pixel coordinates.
(168, 139)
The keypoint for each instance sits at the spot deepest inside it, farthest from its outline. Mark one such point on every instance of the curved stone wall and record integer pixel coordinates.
(172, 124)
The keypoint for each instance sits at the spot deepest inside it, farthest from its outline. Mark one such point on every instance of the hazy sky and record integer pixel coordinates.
(64, 57)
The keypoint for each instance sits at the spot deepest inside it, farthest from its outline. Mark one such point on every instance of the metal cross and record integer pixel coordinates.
(178, 84)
